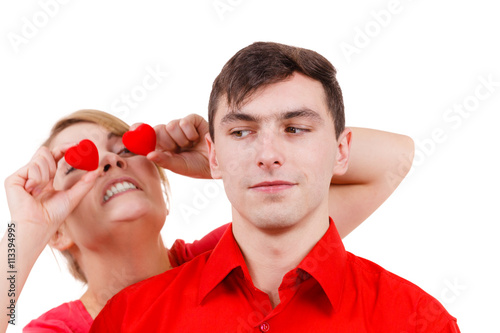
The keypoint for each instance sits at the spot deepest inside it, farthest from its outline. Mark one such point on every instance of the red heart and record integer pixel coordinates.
(83, 156)
(140, 141)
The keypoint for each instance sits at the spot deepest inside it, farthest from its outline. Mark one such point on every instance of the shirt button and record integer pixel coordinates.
(264, 327)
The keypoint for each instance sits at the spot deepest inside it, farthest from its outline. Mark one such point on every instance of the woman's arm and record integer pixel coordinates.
(378, 162)
(19, 249)
(180, 252)
(37, 211)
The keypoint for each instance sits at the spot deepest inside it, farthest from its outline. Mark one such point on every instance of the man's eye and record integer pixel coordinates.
(240, 133)
(295, 130)
(70, 169)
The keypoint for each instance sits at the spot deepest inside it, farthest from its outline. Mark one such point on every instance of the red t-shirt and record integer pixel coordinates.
(331, 290)
(72, 317)
(69, 317)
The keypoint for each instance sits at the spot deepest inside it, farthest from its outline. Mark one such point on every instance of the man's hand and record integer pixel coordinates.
(181, 147)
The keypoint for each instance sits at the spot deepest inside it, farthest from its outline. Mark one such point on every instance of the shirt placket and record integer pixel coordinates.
(291, 282)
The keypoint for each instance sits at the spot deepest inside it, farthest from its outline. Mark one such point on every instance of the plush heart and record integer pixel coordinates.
(83, 156)
(140, 141)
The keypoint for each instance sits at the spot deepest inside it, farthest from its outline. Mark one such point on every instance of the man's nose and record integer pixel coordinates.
(270, 151)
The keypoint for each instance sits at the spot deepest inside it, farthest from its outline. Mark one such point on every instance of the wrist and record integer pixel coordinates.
(29, 236)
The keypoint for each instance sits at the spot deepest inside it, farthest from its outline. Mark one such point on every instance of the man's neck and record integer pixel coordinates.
(269, 255)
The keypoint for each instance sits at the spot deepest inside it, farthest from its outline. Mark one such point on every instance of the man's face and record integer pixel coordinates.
(278, 153)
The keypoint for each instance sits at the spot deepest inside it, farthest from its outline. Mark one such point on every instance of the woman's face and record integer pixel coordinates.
(126, 200)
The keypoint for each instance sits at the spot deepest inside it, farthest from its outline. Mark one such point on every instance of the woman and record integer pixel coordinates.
(112, 239)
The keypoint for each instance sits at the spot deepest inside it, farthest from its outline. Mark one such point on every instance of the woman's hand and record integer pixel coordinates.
(37, 211)
(181, 146)
(32, 199)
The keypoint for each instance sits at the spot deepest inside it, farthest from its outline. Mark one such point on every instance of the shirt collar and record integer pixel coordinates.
(225, 257)
(326, 263)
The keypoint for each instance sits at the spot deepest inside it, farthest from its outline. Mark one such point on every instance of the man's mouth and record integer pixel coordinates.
(273, 186)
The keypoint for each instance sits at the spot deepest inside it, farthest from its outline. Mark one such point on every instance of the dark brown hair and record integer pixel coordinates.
(265, 63)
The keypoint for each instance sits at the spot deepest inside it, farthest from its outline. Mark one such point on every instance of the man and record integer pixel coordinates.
(276, 139)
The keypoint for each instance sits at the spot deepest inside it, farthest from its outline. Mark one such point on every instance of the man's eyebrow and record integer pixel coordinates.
(298, 113)
(302, 113)
(238, 116)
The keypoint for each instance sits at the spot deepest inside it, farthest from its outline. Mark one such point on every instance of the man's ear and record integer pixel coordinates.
(343, 151)
(61, 240)
(212, 158)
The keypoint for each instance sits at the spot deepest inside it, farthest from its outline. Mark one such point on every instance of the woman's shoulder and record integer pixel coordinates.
(71, 317)
(182, 252)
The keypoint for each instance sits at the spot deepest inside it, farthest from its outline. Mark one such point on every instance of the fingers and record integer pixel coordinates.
(163, 159)
(134, 126)
(193, 126)
(182, 133)
(33, 179)
(40, 171)
(59, 151)
(47, 166)
(164, 141)
(82, 187)
(17, 179)
(64, 202)
(42, 168)
(177, 134)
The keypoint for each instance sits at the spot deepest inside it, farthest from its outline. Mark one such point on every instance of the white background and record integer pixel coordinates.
(404, 72)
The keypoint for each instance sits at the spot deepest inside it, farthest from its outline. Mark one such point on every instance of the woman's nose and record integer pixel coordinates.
(112, 160)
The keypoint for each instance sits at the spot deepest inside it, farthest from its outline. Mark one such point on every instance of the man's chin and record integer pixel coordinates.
(275, 221)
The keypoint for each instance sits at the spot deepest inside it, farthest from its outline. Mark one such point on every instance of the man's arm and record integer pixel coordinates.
(378, 163)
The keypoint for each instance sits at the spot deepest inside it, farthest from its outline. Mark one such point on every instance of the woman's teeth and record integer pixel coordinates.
(117, 188)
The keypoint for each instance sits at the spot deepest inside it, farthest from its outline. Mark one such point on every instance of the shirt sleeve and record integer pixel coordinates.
(46, 326)
(71, 317)
(432, 317)
(180, 252)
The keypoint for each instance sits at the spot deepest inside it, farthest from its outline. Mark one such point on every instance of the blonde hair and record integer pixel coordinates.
(117, 127)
